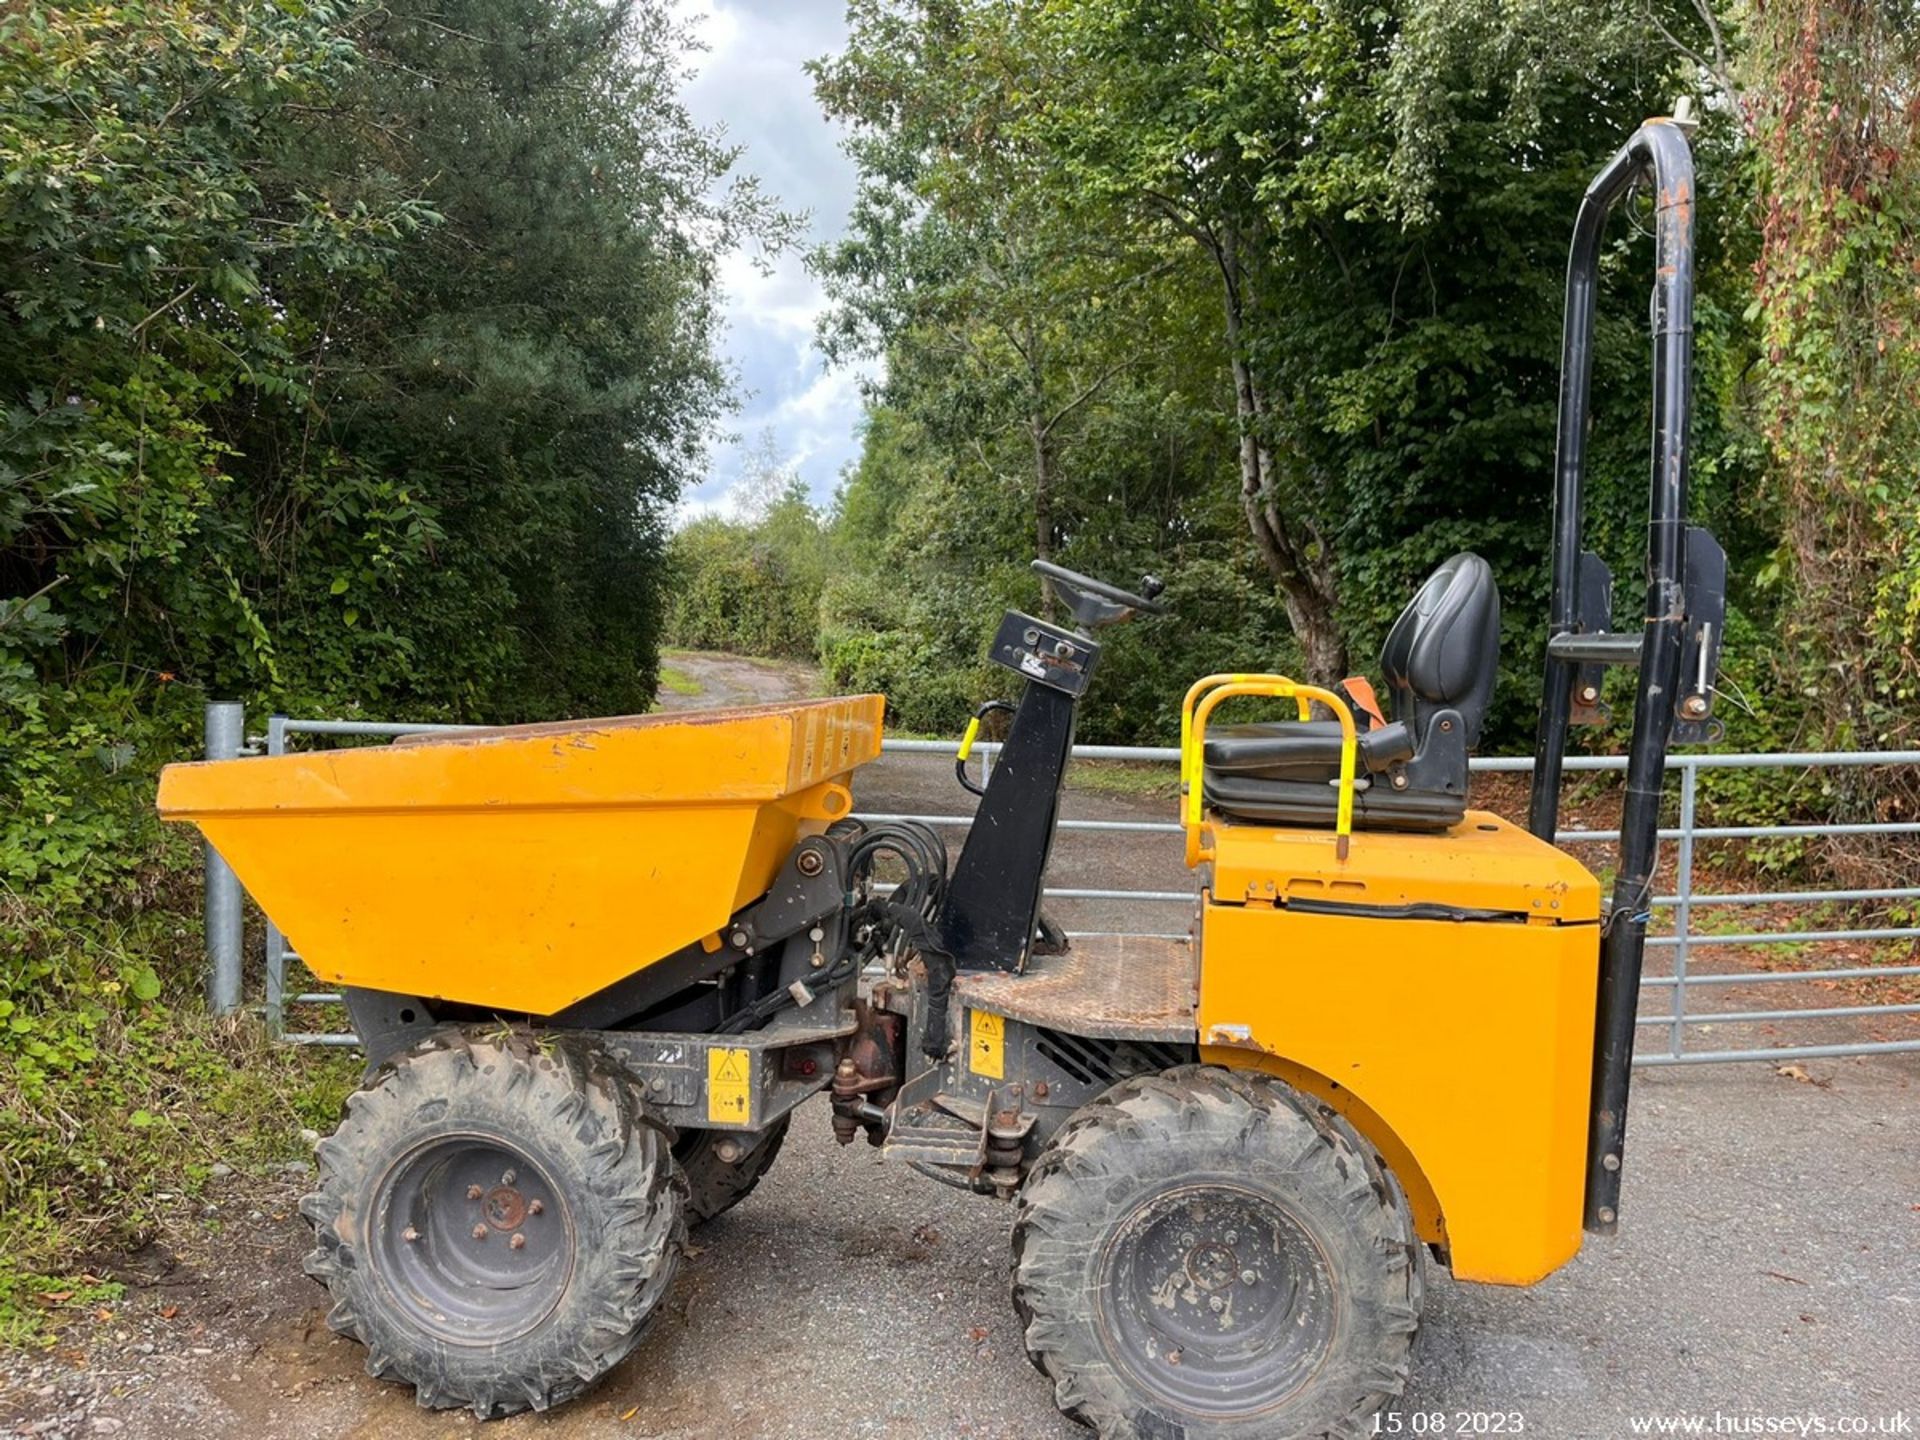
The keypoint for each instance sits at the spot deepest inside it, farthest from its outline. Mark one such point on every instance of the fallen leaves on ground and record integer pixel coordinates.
(1797, 1072)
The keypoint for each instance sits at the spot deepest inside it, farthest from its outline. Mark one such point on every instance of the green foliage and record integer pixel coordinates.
(155, 227)
(752, 585)
(114, 1087)
(926, 562)
(1297, 271)
(26, 1300)
(1829, 100)
(350, 361)
(920, 650)
(540, 371)
(294, 412)
(741, 592)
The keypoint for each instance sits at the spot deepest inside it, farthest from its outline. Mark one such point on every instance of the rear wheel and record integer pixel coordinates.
(723, 1166)
(1204, 1255)
(497, 1222)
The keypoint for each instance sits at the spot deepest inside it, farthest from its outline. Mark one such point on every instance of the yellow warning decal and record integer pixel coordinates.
(729, 1087)
(987, 1045)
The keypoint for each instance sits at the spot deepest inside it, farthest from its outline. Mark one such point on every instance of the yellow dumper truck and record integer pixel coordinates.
(595, 966)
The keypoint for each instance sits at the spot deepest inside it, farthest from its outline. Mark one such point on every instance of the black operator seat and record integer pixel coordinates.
(1439, 664)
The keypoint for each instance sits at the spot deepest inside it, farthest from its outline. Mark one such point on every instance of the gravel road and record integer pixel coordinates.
(724, 681)
(1769, 1265)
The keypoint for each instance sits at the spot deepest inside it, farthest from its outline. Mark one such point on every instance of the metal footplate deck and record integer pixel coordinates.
(1113, 987)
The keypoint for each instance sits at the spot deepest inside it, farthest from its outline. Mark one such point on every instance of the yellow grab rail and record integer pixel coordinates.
(1204, 696)
(966, 740)
(1207, 682)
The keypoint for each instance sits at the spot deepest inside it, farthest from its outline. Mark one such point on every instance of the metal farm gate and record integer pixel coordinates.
(1675, 998)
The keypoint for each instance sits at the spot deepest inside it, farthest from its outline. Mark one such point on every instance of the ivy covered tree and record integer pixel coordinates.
(1829, 93)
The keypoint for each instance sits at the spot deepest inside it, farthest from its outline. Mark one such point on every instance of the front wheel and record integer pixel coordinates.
(1205, 1255)
(497, 1222)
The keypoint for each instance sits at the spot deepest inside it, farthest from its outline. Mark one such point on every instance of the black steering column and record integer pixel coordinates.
(991, 917)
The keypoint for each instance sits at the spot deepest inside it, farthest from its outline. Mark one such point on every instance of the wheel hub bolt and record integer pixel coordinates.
(534, 1207)
(479, 1232)
(1216, 1304)
(410, 1234)
(518, 1242)
(507, 1177)
(1247, 1277)
(474, 1192)
(1187, 1239)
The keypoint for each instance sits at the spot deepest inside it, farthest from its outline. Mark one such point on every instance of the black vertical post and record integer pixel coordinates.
(993, 901)
(1658, 148)
(1569, 469)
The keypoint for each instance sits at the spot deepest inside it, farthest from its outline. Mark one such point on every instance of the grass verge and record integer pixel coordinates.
(1125, 777)
(676, 681)
(119, 1093)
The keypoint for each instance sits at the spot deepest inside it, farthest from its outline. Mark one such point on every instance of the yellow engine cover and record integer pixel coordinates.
(1462, 1047)
(528, 867)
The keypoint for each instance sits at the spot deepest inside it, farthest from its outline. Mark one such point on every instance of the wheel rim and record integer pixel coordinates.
(1216, 1299)
(475, 1242)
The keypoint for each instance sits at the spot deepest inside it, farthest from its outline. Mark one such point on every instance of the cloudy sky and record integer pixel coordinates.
(750, 81)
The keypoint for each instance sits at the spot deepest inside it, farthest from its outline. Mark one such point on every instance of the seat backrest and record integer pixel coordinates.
(1444, 650)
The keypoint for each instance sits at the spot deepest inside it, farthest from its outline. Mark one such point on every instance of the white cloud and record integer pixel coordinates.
(717, 27)
(751, 81)
(786, 300)
(832, 395)
(693, 507)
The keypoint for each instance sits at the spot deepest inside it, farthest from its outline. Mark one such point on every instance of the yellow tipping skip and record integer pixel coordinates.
(528, 867)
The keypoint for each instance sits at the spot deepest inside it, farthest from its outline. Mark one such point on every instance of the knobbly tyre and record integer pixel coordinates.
(596, 965)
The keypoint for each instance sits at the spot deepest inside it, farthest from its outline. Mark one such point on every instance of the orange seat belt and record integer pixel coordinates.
(1360, 690)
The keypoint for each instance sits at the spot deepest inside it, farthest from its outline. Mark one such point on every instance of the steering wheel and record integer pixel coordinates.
(1095, 602)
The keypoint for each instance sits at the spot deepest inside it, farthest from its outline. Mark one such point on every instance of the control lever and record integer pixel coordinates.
(966, 744)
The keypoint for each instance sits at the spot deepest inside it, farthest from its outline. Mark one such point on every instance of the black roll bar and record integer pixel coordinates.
(1659, 149)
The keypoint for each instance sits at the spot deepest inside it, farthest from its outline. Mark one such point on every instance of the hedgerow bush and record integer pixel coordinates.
(750, 588)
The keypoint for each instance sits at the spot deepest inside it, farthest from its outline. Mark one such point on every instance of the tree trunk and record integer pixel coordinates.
(1297, 558)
